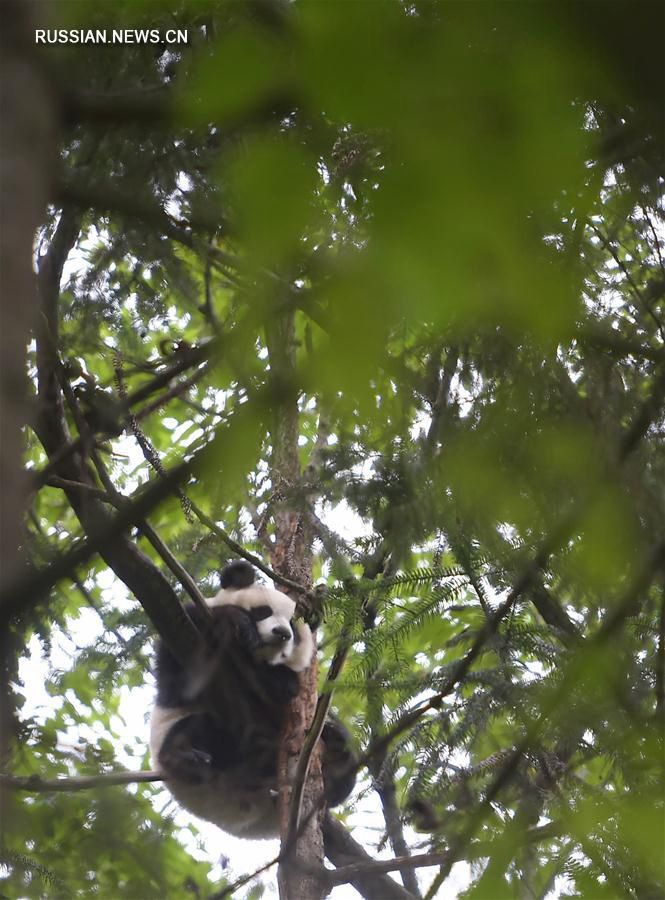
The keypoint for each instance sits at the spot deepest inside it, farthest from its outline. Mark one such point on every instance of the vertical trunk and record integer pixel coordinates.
(27, 144)
(292, 557)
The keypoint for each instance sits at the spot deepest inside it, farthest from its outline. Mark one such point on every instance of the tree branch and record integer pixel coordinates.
(571, 678)
(104, 530)
(250, 557)
(106, 537)
(660, 660)
(479, 850)
(119, 500)
(146, 211)
(559, 534)
(35, 784)
(343, 851)
(311, 740)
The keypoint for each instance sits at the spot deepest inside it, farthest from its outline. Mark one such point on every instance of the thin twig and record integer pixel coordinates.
(175, 391)
(660, 660)
(147, 447)
(313, 735)
(230, 889)
(193, 357)
(119, 500)
(250, 557)
(67, 485)
(437, 881)
(637, 291)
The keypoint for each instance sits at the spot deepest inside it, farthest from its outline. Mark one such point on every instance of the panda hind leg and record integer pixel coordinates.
(339, 762)
(196, 748)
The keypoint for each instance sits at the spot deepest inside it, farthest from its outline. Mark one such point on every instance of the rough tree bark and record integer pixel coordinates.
(291, 556)
(28, 142)
(27, 155)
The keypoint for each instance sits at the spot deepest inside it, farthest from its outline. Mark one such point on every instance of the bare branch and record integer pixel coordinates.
(35, 784)
(149, 585)
(230, 889)
(250, 557)
(312, 738)
(67, 485)
(660, 660)
(342, 851)
(478, 850)
(119, 500)
(106, 532)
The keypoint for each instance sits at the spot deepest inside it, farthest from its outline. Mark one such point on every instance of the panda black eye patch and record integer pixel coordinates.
(258, 613)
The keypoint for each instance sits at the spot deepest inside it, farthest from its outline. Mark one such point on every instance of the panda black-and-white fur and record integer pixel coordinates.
(216, 725)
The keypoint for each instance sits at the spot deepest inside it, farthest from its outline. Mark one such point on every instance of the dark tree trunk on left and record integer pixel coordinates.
(27, 160)
(27, 156)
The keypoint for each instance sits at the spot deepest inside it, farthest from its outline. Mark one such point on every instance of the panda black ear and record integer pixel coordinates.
(238, 574)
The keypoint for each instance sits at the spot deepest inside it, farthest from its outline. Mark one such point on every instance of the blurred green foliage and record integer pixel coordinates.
(458, 208)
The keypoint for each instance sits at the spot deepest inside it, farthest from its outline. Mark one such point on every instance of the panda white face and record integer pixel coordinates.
(276, 633)
(284, 642)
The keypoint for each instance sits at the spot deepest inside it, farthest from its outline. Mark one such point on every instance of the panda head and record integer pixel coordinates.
(283, 641)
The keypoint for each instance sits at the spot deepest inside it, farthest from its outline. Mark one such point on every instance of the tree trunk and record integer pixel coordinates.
(27, 155)
(27, 158)
(292, 557)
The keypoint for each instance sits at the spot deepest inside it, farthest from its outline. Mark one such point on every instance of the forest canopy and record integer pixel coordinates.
(371, 294)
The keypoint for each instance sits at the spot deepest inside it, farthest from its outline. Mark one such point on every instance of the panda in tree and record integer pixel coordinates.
(216, 723)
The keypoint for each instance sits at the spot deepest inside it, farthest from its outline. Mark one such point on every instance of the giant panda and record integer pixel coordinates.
(216, 724)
